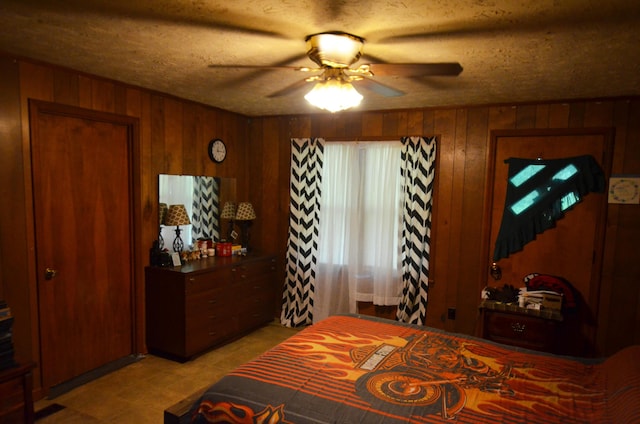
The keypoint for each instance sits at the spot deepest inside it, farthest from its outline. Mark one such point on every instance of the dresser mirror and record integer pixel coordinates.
(202, 197)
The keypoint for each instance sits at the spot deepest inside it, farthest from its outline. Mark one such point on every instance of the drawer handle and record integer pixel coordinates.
(212, 301)
(518, 328)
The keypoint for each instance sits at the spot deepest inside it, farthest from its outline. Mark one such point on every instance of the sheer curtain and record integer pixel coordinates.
(358, 249)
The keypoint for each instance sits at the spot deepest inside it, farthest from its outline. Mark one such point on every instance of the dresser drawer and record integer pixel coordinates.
(11, 394)
(16, 403)
(520, 330)
(205, 332)
(209, 281)
(255, 269)
(205, 303)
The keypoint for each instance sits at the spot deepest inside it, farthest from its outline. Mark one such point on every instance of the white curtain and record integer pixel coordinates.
(358, 251)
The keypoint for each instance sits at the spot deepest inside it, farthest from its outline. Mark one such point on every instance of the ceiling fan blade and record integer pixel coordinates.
(258, 71)
(416, 69)
(293, 68)
(298, 85)
(379, 88)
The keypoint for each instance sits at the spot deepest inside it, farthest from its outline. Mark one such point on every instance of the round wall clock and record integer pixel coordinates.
(624, 190)
(217, 150)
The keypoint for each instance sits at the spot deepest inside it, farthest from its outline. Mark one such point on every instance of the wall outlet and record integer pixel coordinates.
(451, 313)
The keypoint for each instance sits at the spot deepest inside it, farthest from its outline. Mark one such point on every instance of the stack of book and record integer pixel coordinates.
(237, 249)
(540, 299)
(6, 337)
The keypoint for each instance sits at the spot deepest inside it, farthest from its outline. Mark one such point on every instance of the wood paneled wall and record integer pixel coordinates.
(458, 269)
(174, 135)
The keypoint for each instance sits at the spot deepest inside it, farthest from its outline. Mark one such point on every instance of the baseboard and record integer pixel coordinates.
(78, 381)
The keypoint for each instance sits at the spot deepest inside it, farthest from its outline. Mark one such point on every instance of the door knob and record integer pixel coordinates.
(50, 273)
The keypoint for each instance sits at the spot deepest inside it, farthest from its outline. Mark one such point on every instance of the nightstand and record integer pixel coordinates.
(16, 401)
(509, 324)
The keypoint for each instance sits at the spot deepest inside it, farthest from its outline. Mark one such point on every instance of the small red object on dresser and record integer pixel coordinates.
(223, 249)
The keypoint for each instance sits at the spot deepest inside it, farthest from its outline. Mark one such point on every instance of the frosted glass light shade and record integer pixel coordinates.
(334, 95)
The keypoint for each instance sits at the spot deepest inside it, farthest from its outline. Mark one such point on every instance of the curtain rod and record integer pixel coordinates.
(374, 138)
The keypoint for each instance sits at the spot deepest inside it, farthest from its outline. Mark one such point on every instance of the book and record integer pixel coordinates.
(540, 299)
(5, 312)
(5, 325)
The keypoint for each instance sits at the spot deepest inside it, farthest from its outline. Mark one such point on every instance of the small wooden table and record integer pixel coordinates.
(16, 399)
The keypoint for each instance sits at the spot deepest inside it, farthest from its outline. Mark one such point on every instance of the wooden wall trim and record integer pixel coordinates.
(464, 135)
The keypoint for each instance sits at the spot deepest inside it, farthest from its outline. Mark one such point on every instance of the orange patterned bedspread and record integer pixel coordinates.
(349, 369)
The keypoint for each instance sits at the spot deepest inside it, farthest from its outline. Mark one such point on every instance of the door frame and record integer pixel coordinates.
(39, 107)
(607, 157)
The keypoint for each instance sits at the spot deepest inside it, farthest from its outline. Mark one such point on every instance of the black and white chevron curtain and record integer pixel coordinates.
(302, 242)
(205, 208)
(418, 172)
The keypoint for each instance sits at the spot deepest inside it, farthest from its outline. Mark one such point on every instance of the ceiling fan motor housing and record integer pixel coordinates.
(334, 49)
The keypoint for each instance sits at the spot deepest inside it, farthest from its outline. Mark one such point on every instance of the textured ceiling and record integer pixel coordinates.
(511, 51)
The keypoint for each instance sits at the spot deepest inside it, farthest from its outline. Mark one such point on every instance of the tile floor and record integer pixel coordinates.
(140, 392)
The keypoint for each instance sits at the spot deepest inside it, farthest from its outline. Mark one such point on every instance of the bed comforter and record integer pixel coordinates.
(350, 369)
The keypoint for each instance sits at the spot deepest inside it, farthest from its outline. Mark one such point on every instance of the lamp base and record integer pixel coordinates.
(178, 244)
(244, 226)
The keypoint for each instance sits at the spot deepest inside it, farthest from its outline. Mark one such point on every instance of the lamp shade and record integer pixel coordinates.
(245, 212)
(162, 212)
(177, 215)
(228, 211)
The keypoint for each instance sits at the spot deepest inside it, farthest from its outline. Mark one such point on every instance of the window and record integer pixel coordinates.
(360, 226)
(544, 188)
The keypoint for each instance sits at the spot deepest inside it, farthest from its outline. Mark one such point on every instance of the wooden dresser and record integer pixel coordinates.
(204, 303)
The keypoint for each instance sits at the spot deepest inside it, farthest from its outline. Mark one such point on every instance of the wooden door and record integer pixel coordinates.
(82, 210)
(573, 249)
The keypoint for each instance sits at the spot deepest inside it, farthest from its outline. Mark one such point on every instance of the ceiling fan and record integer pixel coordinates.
(335, 52)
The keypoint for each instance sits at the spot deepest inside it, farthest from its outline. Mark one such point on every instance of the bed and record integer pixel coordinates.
(355, 369)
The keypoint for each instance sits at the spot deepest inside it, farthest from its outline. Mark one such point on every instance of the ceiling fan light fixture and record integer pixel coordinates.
(334, 49)
(334, 95)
